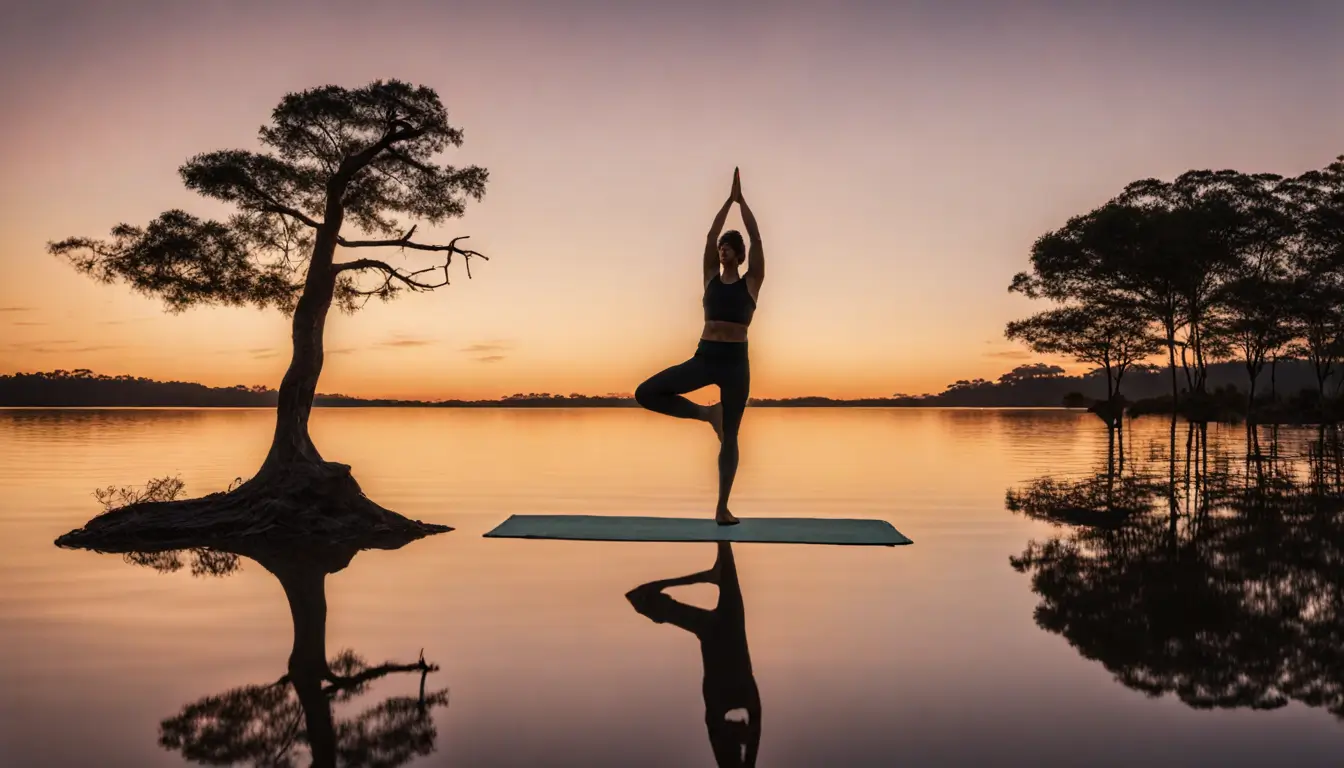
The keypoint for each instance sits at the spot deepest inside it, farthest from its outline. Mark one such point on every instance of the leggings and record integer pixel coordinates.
(715, 362)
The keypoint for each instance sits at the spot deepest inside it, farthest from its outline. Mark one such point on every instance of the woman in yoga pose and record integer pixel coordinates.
(721, 356)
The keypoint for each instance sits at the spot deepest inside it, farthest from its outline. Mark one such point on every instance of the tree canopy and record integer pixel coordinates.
(363, 157)
(1212, 264)
(1112, 339)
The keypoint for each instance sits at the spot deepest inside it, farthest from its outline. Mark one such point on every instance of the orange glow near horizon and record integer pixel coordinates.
(900, 161)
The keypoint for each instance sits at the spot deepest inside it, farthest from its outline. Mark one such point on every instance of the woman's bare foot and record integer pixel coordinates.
(724, 517)
(714, 415)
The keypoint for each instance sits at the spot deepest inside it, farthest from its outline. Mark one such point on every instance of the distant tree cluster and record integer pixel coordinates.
(84, 388)
(1022, 374)
(1031, 385)
(545, 396)
(1213, 266)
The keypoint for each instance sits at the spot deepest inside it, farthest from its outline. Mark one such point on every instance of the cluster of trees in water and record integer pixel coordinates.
(1212, 266)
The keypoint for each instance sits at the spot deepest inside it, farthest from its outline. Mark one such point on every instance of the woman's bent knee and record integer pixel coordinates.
(645, 395)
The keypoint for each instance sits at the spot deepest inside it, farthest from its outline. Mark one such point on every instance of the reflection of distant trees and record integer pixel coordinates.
(1215, 576)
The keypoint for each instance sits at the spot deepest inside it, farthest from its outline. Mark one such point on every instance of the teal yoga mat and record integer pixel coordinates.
(774, 530)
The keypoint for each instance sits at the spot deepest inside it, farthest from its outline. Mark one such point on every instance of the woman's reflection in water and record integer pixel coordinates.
(729, 686)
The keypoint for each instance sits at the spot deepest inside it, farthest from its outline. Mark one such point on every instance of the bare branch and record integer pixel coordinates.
(391, 272)
(344, 682)
(403, 278)
(405, 242)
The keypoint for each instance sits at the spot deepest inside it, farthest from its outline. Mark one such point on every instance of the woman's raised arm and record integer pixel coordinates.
(711, 263)
(755, 256)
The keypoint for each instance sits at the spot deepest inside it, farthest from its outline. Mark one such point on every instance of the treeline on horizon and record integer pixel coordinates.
(1027, 386)
(1212, 267)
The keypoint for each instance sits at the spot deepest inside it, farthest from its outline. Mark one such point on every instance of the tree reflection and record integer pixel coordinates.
(1104, 499)
(273, 724)
(1208, 572)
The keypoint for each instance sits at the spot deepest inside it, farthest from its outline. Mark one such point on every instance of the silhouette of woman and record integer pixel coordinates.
(721, 356)
(729, 683)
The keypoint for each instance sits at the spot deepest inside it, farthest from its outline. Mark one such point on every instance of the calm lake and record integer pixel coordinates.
(1210, 638)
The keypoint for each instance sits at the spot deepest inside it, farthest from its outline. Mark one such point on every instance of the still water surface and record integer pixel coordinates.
(928, 654)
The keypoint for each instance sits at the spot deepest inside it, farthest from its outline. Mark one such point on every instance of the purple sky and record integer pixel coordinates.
(901, 158)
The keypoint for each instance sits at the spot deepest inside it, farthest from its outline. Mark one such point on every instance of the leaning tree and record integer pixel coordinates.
(348, 169)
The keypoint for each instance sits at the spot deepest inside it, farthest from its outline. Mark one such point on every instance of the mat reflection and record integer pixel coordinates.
(732, 701)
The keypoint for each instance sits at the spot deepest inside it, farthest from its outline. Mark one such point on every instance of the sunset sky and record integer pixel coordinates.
(901, 158)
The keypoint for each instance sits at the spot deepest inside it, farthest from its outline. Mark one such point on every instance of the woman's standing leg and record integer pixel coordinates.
(734, 388)
(662, 392)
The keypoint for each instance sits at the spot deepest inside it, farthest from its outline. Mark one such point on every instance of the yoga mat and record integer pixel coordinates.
(775, 530)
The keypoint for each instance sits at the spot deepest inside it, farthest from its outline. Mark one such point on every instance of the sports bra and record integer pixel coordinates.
(730, 302)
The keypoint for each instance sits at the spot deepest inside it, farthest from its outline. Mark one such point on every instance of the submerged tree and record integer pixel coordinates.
(341, 168)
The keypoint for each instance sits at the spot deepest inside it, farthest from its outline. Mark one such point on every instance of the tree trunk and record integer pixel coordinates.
(1171, 477)
(1204, 468)
(1120, 447)
(1171, 361)
(1185, 367)
(291, 443)
(1189, 447)
(1197, 339)
(1253, 373)
(1110, 466)
(1274, 379)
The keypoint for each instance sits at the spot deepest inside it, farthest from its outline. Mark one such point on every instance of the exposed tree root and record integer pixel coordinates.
(316, 503)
